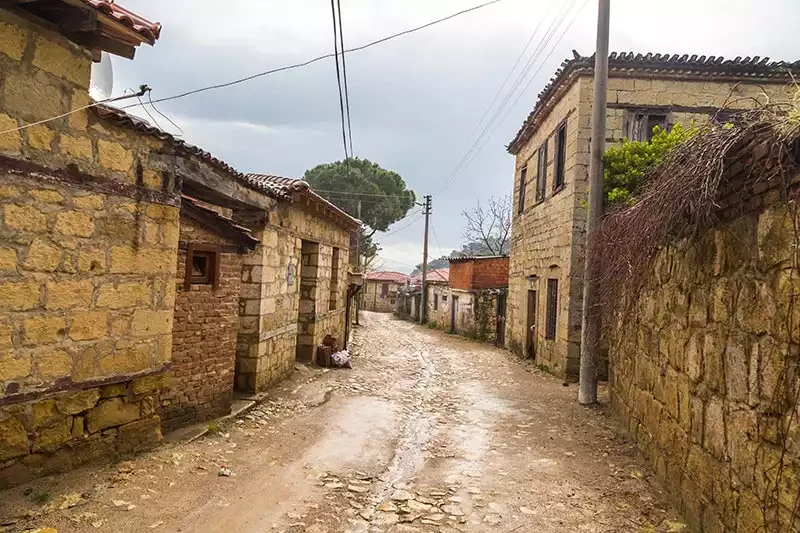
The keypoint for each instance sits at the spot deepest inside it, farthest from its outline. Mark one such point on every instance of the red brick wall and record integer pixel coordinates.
(479, 274)
(200, 385)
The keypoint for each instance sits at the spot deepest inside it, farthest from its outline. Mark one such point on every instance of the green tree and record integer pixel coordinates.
(625, 165)
(383, 194)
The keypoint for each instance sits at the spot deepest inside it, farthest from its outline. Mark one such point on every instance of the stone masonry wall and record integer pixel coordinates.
(704, 372)
(88, 242)
(269, 304)
(373, 299)
(200, 381)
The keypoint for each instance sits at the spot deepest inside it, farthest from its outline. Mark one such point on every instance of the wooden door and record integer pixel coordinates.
(453, 313)
(500, 333)
(530, 343)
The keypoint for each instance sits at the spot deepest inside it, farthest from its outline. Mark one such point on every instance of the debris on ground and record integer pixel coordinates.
(224, 471)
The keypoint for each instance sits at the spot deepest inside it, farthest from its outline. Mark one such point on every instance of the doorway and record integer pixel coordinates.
(307, 308)
(500, 332)
(530, 342)
(453, 313)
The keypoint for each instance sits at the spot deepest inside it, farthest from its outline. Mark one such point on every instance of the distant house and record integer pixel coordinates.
(473, 299)
(380, 290)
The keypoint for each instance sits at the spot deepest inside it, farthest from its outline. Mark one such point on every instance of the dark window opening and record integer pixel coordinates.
(202, 265)
(541, 173)
(435, 302)
(552, 309)
(334, 280)
(523, 175)
(641, 125)
(444, 298)
(561, 157)
(384, 290)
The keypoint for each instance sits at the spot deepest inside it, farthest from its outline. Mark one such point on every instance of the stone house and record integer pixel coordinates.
(551, 153)
(409, 304)
(380, 290)
(100, 214)
(473, 299)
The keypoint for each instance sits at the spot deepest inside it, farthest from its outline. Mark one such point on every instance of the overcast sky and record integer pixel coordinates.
(416, 100)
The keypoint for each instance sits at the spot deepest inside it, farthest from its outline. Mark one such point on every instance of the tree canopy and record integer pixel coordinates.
(384, 197)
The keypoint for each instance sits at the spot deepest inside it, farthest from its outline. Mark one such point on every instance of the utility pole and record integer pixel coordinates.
(358, 266)
(590, 343)
(426, 209)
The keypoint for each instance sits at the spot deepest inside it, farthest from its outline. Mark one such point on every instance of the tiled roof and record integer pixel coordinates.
(436, 275)
(394, 277)
(664, 65)
(222, 224)
(292, 185)
(150, 31)
(468, 258)
(124, 119)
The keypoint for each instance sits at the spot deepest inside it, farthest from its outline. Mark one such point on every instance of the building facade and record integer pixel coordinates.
(551, 153)
(380, 290)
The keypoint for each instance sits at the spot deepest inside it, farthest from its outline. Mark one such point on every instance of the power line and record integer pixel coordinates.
(411, 223)
(326, 56)
(439, 246)
(344, 75)
(356, 193)
(338, 76)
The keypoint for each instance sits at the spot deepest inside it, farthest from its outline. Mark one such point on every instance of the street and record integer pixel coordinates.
(428, 432)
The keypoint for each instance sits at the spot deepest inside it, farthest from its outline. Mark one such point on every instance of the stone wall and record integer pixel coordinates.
(270, 292)
(374, 299)
(88, 245)
(206, 323)
(704, 372)
(476, 311)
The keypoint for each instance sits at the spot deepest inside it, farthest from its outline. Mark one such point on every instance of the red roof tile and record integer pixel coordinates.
(393, 277)
(150, 31)
(436, 275)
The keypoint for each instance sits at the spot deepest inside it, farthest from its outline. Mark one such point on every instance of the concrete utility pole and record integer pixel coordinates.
(590, 343)
(426, 209)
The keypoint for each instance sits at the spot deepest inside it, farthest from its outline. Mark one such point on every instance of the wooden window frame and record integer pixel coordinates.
(559, 174)
(551, 317)
(541, 172)
(211, 251)
(639, 115)
(523, 178)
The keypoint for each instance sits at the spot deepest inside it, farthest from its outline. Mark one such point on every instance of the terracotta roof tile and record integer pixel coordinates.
(468, 258)
(627, 63)
(150, 31)
(396, 277)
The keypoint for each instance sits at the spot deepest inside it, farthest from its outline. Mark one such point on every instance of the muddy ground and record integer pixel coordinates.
(428, 433)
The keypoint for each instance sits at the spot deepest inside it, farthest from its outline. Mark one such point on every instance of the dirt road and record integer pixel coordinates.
(428, 433)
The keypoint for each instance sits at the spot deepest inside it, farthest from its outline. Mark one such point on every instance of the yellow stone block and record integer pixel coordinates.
(68, 294)
(6, 335)
(79, 147)
(32, 97)
(120, 325)
(124, 295)
(8, 260)
(114, 156)
(163, 350)
(75, 223)
(147, 323)
(92, 260)
(12, 41)
(8, 191)
(152, 179)
(24, 218)
(171, 233)
(79, 120)
(133, 359)
(14, 366)
(19, 296)
(52, 363)
(73, 65)
(40, 137)
(43, 256)
(43, 329)
(9, 142)
(127, 260)
(93, 201)
(47, 196)
(150, 232)
(88, 325)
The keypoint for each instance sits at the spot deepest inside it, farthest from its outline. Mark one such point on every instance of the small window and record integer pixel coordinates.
(435, 302)
(444, 298)
(334, 280)
(642, 124)
(561, 157)
(202, 265)
(523, 176)
(541, 172)
(552, 309)
(384, 290)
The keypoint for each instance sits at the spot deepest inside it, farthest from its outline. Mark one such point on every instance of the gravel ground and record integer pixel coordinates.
(428, 433)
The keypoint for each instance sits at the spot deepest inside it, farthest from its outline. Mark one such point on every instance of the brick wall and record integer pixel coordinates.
(477, 274)
(206, 323)
(88, 243)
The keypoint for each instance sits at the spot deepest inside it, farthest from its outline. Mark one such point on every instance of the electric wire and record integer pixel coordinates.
(339, 77)
(344, 75)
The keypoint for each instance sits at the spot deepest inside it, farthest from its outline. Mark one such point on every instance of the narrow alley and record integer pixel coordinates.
(428, 432)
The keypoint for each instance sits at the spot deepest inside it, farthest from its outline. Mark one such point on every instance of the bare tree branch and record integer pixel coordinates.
(491, 227)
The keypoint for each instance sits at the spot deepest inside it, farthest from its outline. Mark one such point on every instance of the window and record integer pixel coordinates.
(552, 309)
(541, 172)
(202, 265)
(334, 280)
(642, 123)
(384, 290)
(561, 157)
(444, 298)
(435, 302)
(523, 175)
